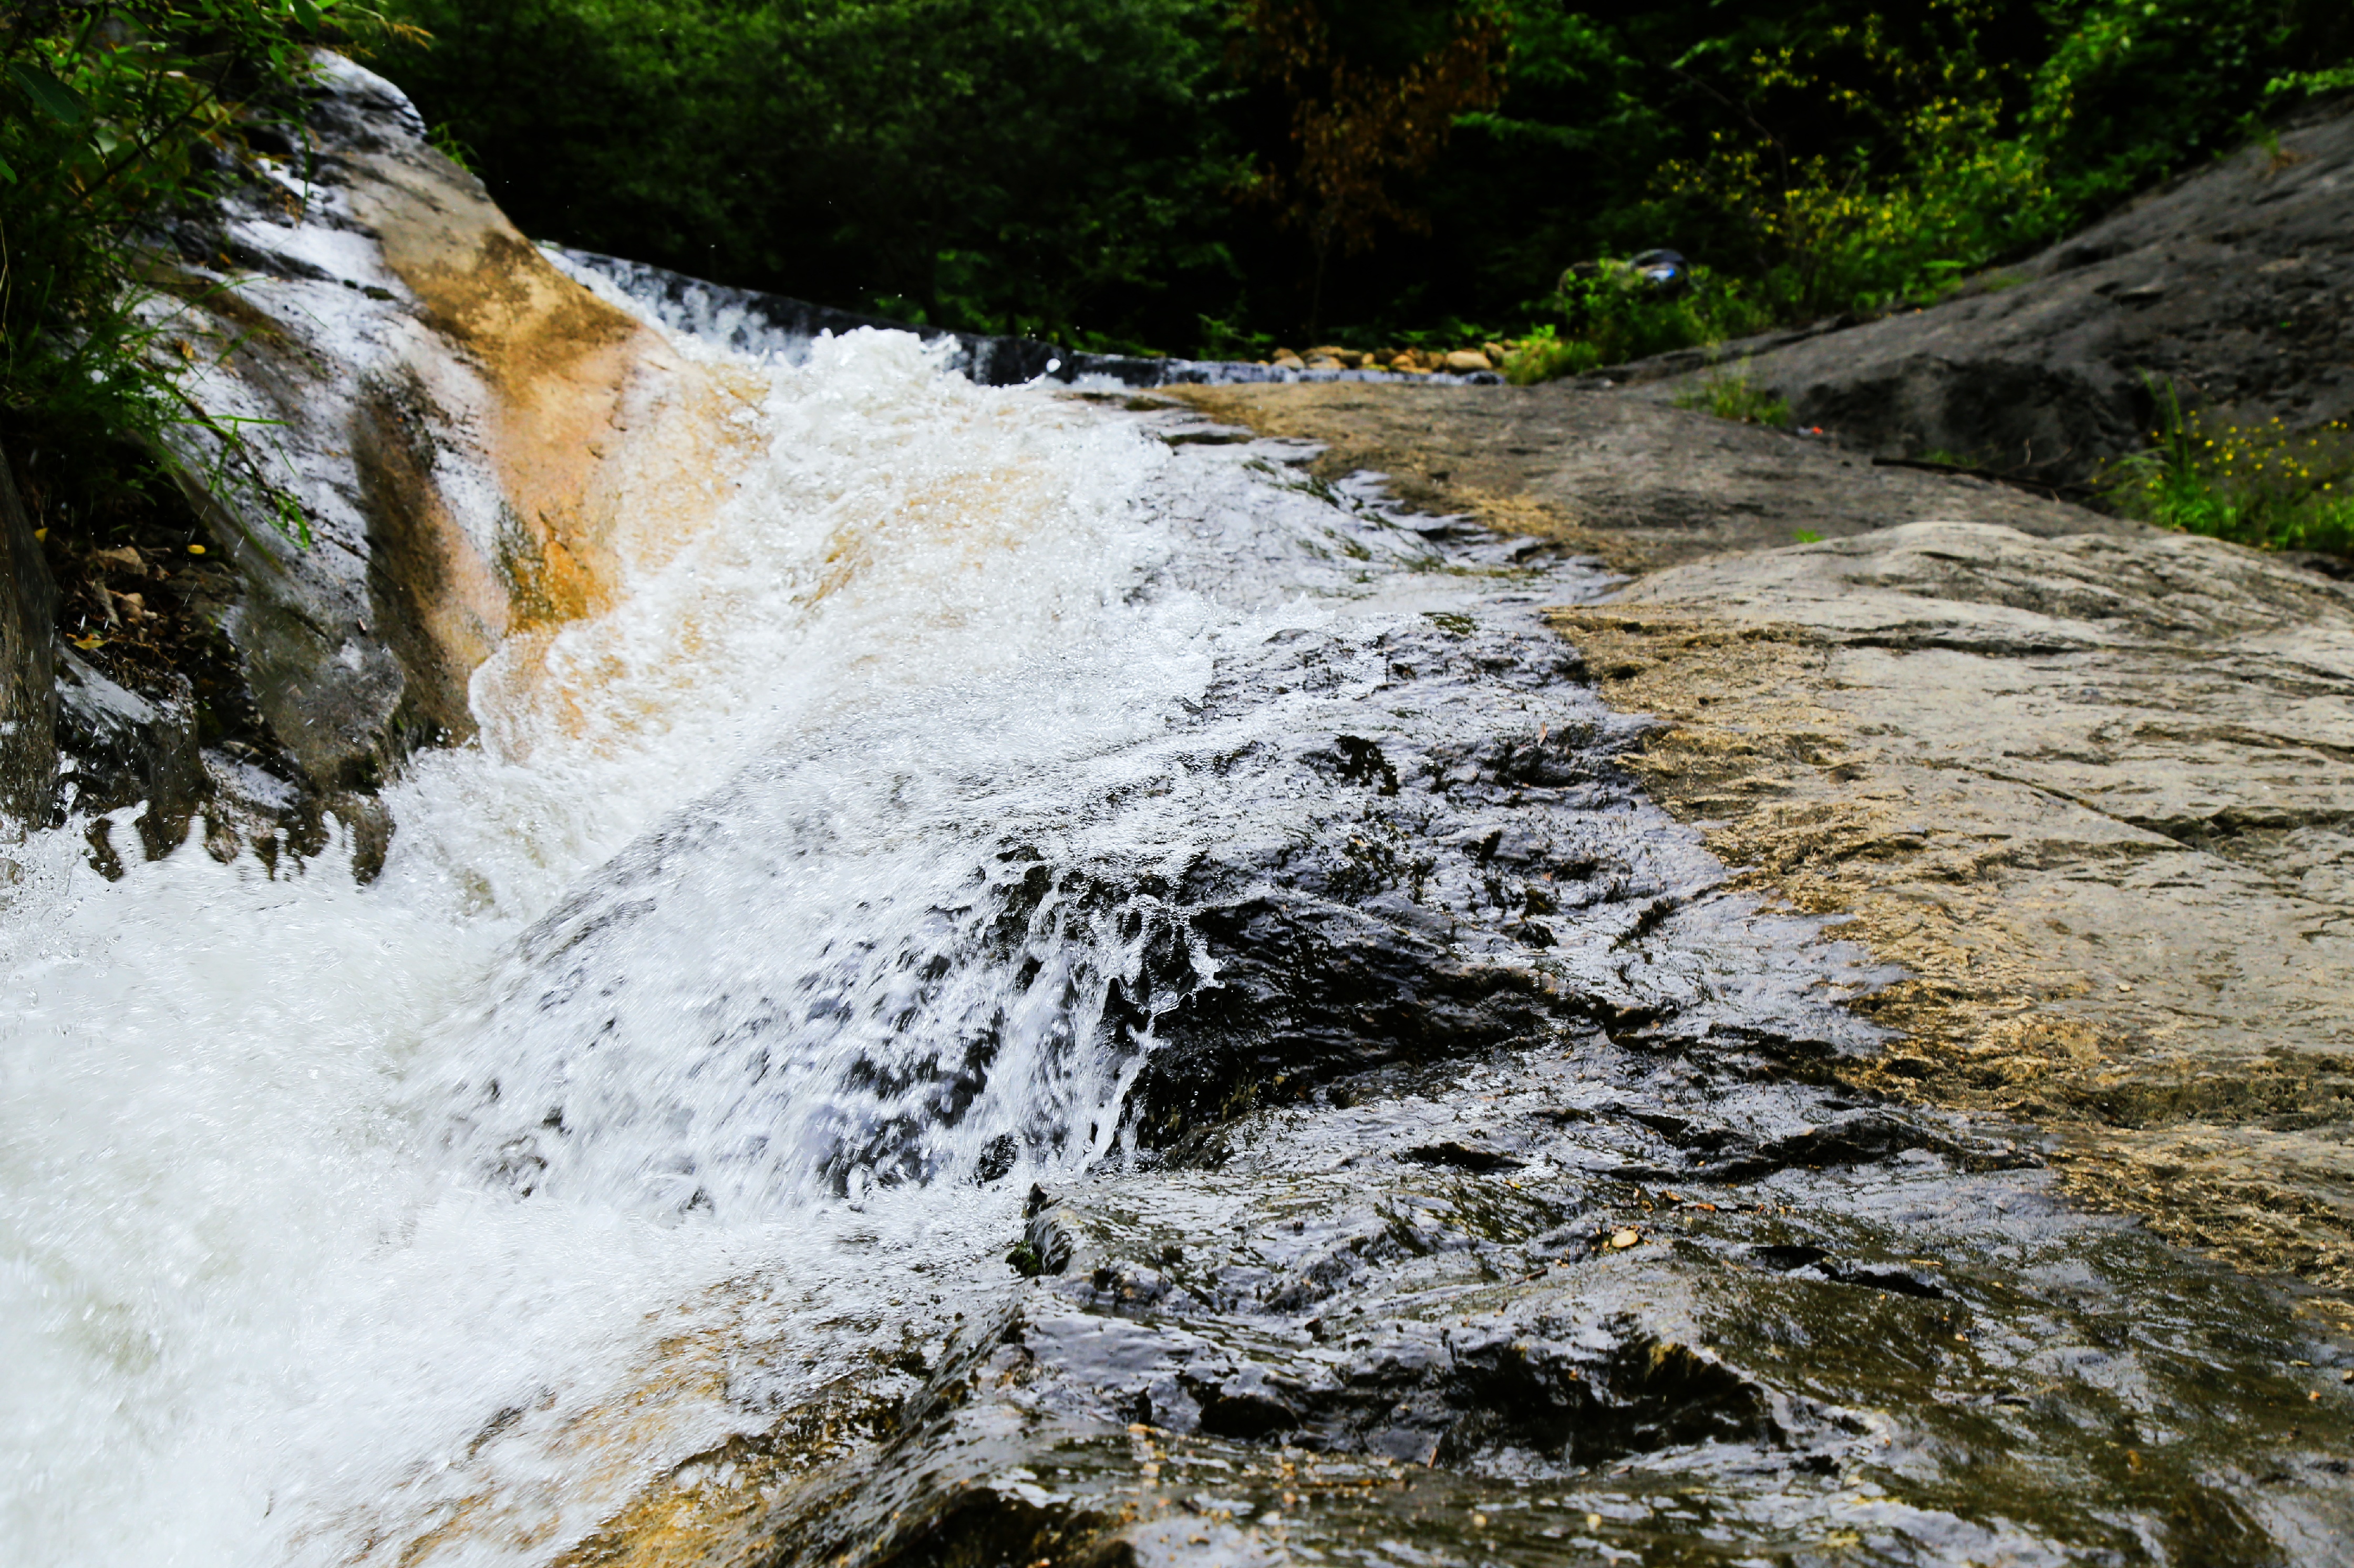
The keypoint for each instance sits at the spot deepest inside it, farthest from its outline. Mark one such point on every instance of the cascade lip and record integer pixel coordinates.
(755, 321)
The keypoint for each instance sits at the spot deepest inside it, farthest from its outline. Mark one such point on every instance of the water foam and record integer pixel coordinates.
(253, 1306)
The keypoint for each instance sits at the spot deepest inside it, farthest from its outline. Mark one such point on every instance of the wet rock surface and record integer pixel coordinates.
(455, 433)
(130, 750)
(2230, 282)
(2082, 779)
(1511, 1184)
(2092, 794)
(1576, 1300)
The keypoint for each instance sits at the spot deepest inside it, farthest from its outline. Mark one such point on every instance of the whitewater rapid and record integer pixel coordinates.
(666, 1060)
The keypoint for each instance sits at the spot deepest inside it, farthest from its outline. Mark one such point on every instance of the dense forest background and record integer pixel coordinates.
(1211, 176)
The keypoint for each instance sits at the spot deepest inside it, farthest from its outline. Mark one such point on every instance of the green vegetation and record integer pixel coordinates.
(1729, 395)
(113, 115)
(2254, 486)
(1220, 175)
(1392, 177)
(1004, 165)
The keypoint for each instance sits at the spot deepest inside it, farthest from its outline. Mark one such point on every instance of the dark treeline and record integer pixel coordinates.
(1208, 174)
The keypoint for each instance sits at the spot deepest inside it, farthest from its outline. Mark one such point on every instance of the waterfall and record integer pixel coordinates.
(712, 1009)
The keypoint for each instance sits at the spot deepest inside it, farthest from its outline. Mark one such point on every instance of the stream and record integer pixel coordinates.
(1052, 985)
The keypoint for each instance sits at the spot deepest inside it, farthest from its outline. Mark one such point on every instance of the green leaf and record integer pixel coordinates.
(7, 174)
(53, 98)
(306, 13)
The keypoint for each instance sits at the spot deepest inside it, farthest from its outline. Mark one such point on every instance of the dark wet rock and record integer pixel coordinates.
(28, 755)
(2231, 283)
(1464, 883)
(1907, 1362)
(129, 749)
(1456, 1157)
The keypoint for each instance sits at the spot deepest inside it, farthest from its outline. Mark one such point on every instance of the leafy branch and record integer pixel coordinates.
(115, 115)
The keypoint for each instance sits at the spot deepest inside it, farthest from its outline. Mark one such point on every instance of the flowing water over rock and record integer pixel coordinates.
(1047, 988)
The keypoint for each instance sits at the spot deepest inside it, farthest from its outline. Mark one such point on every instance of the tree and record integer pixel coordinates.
(1354, 127)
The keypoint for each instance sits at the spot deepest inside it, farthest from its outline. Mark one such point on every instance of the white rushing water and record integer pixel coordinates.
(338, 1219)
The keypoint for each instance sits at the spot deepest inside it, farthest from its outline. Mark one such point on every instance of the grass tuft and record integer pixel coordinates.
(1728, 395)
(2254, 484)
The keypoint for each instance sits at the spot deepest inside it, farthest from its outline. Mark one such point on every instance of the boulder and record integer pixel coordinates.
(471, 437)
(2231, 283)
(1465, 361)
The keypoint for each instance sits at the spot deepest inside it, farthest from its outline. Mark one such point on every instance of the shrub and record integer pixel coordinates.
(117, 113)
(2259, 485)
(1545, 355)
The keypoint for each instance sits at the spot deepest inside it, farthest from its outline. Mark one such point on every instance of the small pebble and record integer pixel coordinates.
(1626, 1238)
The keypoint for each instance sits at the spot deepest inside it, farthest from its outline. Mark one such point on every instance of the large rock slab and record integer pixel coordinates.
(2231, 283)
(2084, 780)
(472, 445)
(2092, 793)
(1637, 482)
